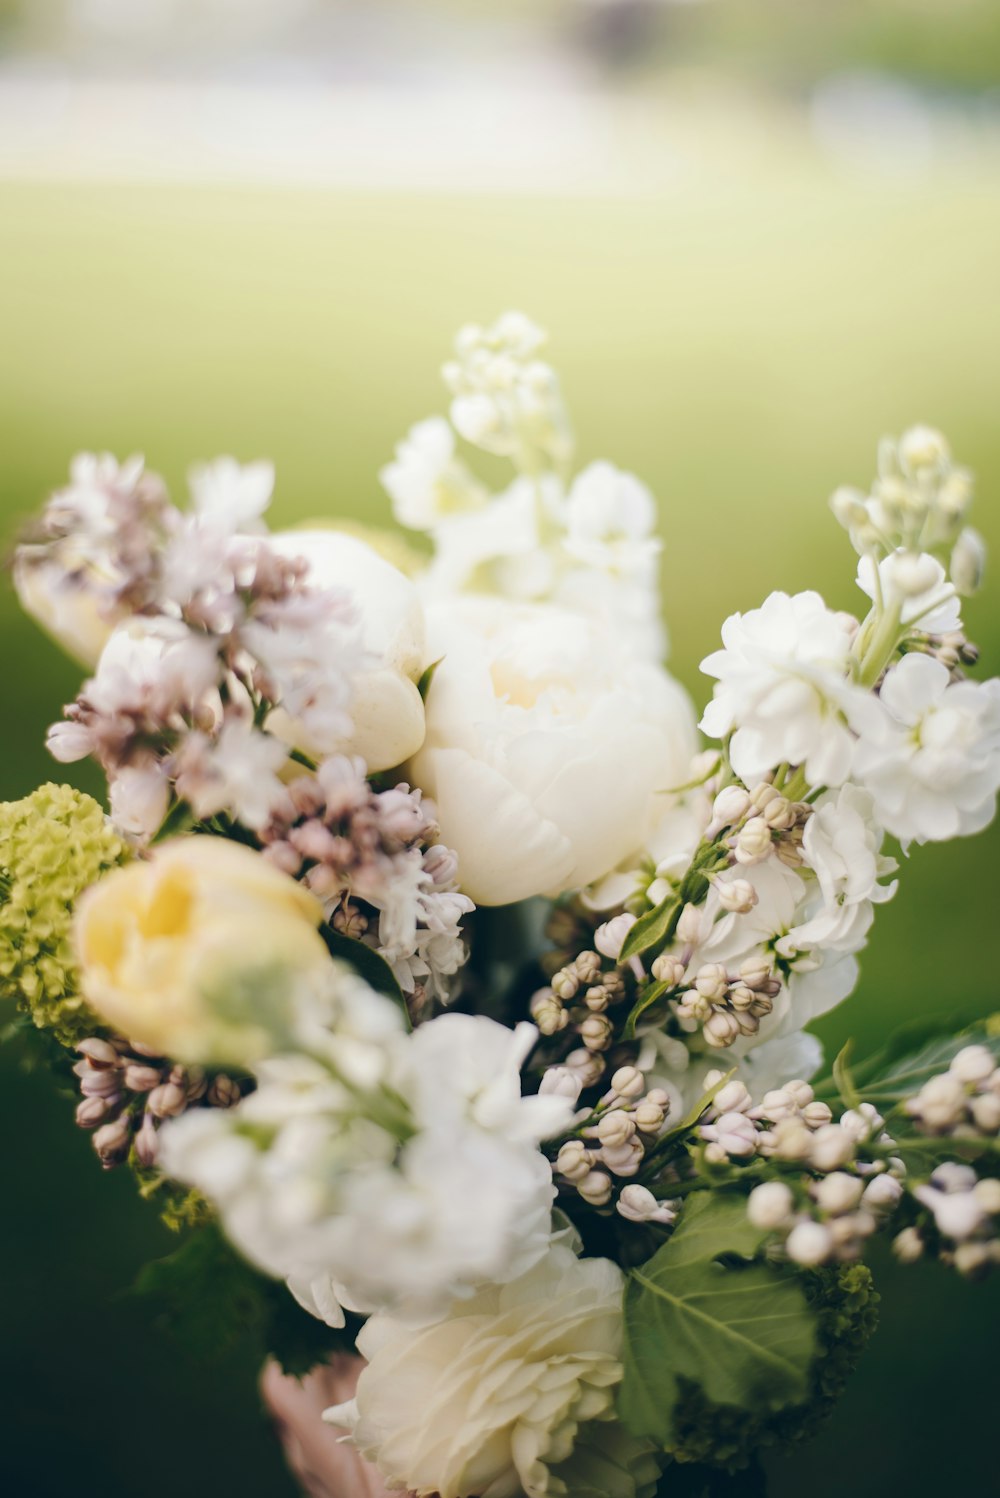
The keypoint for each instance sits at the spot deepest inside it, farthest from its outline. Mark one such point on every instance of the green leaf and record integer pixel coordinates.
(911, 1058)
(427, 676)
(742, 1333)
(842, 1076)
(653, 928)
(365, 961)
(645, 1001)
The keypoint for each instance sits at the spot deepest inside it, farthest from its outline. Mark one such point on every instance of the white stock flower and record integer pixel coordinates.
(783, 690)
(506, 400)
(426, 482)
(610, 519)
(932, 762)
(531, 717)
(841, 845)
(385, 707)
(917, 585)
(230, 495)
(494, 1397)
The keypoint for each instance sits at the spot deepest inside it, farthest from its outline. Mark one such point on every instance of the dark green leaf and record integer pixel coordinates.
(366, 961)
(743, 1333)
(653, 928)
(427, 676)
(645, 1001)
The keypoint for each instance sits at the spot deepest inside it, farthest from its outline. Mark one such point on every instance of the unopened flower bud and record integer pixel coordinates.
(769, 1206)
(816, 1115)
(836, 1193)
(588, 967)
(986, 1112)
(637, 1203)
(112, 1139)
(597, 998)
(809, 1243)
(649, 1117)
(100, 1053)
(753, 841)
(565, 984)
(588, 1066)
(140, 1078)
(779, 814)
(595, 1188)
(830, 1147)
(736, 895)
(800, 1092)
(734, 1132)
(668, 969)
(610, 938)
(908, 1246)
(596, 1032)
(720, 1030)
(973, 1064)
(972, 1259)
(691, 925)
(968, 562)
(628, 1082)
(146, 1143)
(755, 972)
(882, 1193)
(730, 806)
(547, 1012)
(94, 1110)
(223, 1092)
(623, 1159)
(166, 1101)
(778, 1104)
(849, 507)
(573, 1160)
(733, 1097)
(862, 1122)
(987, 1194)
(957, 1214)
(941, 1103)
(711, 981)
(560, 1081)
(104, 1083)
(615, 1127)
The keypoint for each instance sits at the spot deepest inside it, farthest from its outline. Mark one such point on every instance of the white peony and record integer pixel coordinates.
(783, 690)
(386, 709)
(545, 750)
(497, 1396)
(932, 761)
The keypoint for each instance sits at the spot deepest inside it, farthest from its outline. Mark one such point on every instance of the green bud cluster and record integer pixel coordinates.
(53, 845)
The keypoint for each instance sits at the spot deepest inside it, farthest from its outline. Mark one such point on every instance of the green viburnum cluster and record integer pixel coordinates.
(53, 845)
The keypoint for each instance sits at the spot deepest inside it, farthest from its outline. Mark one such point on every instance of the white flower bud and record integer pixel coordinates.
(957, 1214)
(778, 1104)
(831, 1147)
(565, 984)
(755, 972)
(560, 1081)
(769, 1205)
(732, 1098)
(735, 1133)
(588, 1067)
(573, 1160)
(952, 1176)
(628, 1082)
(882, 1193)
(712, 981)
(986, 1112)
(914, 573)
(968, 562)
(809, 1243)
(668, 969)
(691, 926)
(736, 895)
(800, 1092)
(972, 1065)
(167, 1101)
(973, 1258)
(720, 1030)
(940, 1103)
(779, 814)
(730, 806)
(753, 841)
(908, 1246)
(595, 1032)
(610, 937)
(987, 1194)
(837, 1192)
(623, 1159)
(615, 1127)
(588, 967)
(636, 1203)
(649, 1117)
(849, 507)
(862, 1122)
(93, 1110)
(547, 1012)
(923, 447)
(595, 1188)
(816, 1115)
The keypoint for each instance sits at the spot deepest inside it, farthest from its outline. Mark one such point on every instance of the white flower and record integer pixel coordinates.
(841, 845)
(427, 483)
(610, 519)
(531, 716)
(385, 709)
(917, 586)
(932, 764)
(783, 690)
(236, 773)
(968, 562)
(493, 1398)
(230, 495)
(466, 1068)
(507, 401)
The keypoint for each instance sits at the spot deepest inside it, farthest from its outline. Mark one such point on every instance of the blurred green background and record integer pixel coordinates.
(740, 339)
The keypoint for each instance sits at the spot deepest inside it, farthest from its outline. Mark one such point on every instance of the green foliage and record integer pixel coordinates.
(209, 1299)
(700, 1313)
(844, 1306)
(911, 1057)
(53, 845)
(645, 1001)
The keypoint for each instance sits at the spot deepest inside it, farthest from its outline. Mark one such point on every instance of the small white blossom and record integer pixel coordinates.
(932, 763)
(427, 483)
(610, 520)
(841, 845)
(769, 1205)
(916, 586)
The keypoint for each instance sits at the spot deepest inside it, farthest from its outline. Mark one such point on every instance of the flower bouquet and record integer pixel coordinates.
(450, 996)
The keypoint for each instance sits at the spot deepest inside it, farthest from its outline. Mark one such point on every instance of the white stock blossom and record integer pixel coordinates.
(916, 585)
(841, 846)
(932, 762)
(426, 482)
(783, 690)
